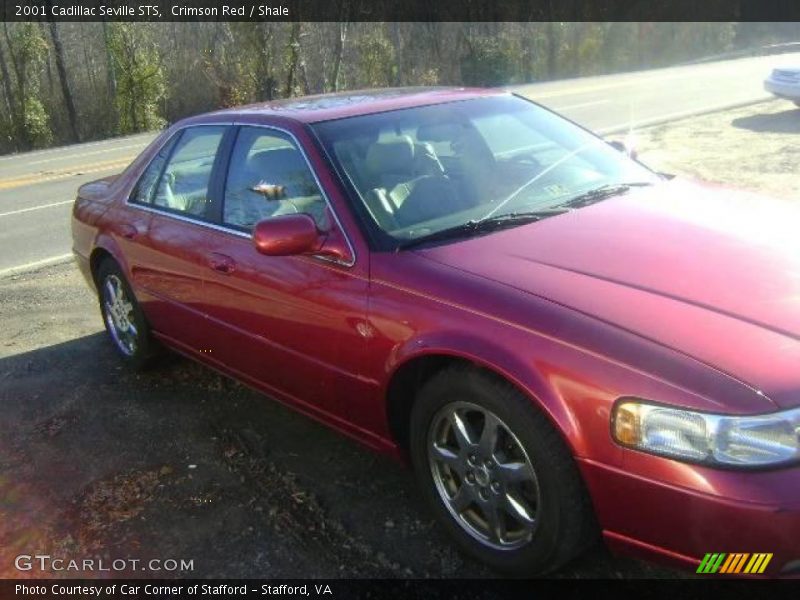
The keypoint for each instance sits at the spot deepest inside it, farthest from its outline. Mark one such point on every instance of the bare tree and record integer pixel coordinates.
(8, 94)
(264, 68)
(111, 76)
(338, 51)
(69, 102)
(95, 79)
(293, 49)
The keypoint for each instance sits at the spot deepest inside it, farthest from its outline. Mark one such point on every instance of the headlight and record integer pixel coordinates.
(748, 441)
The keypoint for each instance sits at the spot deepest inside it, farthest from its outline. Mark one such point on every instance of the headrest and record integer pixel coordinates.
(275, 163)
(440, 132)
(366, 137)
(391, 157)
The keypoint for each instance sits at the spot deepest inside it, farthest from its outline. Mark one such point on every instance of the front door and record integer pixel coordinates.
(294, 324)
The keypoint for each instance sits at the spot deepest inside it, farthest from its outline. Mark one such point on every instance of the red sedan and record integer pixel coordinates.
(564, 344)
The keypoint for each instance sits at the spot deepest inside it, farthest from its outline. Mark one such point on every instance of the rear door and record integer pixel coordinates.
(179, 194)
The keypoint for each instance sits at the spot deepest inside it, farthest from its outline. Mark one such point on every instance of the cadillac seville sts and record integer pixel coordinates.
(565, 345)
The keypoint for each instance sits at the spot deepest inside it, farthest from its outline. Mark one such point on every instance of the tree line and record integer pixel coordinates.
(63, 83)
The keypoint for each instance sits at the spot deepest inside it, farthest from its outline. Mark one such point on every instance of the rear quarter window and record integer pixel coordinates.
(145, 188)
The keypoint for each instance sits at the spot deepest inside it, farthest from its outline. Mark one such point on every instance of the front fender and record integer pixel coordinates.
(496, 357)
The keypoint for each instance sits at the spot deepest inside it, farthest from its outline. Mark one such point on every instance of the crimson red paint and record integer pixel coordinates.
(685, 294)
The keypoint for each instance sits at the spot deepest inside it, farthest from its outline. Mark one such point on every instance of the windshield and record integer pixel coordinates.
(423, 170)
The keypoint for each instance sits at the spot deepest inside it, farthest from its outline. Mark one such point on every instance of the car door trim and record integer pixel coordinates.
(230, 230)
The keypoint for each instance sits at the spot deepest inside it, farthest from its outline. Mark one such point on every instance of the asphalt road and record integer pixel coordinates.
(37, 188)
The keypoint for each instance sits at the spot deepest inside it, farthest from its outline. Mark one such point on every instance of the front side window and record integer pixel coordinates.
(424, 170)
(269, 177)
(183, 185)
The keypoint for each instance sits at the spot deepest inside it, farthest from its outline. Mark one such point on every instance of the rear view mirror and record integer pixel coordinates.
(624, 147)
(439, 132)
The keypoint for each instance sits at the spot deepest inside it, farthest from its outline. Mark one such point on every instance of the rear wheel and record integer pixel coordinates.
(497, 475)
(123, 318)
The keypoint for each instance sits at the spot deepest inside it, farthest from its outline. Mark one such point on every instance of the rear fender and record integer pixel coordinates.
(105, 242)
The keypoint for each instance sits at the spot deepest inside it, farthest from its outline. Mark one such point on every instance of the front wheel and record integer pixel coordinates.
(497, 475)
(123, 318)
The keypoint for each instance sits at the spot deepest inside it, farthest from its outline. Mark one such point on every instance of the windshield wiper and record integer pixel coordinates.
(601, 193)
(475, 227)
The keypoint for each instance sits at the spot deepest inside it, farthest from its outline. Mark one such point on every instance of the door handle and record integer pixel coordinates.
(129, 232)
(221, 263)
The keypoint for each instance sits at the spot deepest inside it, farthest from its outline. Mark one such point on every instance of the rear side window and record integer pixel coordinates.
(269, 177)
(183, 185)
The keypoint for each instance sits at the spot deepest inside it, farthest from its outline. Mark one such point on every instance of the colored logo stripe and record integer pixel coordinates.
(758, 564)
(734, 563)
(711, 563)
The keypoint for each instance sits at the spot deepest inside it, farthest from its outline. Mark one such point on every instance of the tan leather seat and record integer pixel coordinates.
(395, 165)
(390, 163)
(389, 169)
(396, 169)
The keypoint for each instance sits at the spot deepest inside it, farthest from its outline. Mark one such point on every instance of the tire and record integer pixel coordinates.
(531, 481)
(125, 322)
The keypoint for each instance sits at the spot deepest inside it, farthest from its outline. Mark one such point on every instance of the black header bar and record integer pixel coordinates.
(400, 10)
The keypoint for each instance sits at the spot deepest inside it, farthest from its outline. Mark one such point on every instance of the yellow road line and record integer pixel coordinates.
(109, 141)
(523, 89)
(583, 104)
(83, 154)
(14, 182)
(609, 85)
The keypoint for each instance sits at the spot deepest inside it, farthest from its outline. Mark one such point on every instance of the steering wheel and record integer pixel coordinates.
(526, 158)
(433, 196)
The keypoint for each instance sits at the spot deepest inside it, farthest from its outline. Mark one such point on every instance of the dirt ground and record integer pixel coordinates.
(181, 463)
(754, 147)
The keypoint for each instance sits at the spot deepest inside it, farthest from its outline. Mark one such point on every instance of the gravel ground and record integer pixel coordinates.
(179, 462)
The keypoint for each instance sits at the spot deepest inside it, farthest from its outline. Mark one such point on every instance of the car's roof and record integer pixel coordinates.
(326, 107)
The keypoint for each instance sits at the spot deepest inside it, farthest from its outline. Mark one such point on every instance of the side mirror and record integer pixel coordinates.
(287, 235)
(624, 147)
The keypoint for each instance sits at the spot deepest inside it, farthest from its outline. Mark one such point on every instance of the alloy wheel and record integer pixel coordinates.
(483, 475)
(119, 315)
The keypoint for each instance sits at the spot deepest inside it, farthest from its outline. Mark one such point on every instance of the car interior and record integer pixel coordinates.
(267, 177)
(409, 176)
(271, 182)
(404, 180)
(183, 186)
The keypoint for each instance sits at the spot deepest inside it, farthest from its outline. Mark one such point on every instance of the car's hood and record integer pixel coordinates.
(712, 273)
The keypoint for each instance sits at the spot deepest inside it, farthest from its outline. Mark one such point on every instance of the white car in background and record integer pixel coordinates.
(784, 83)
